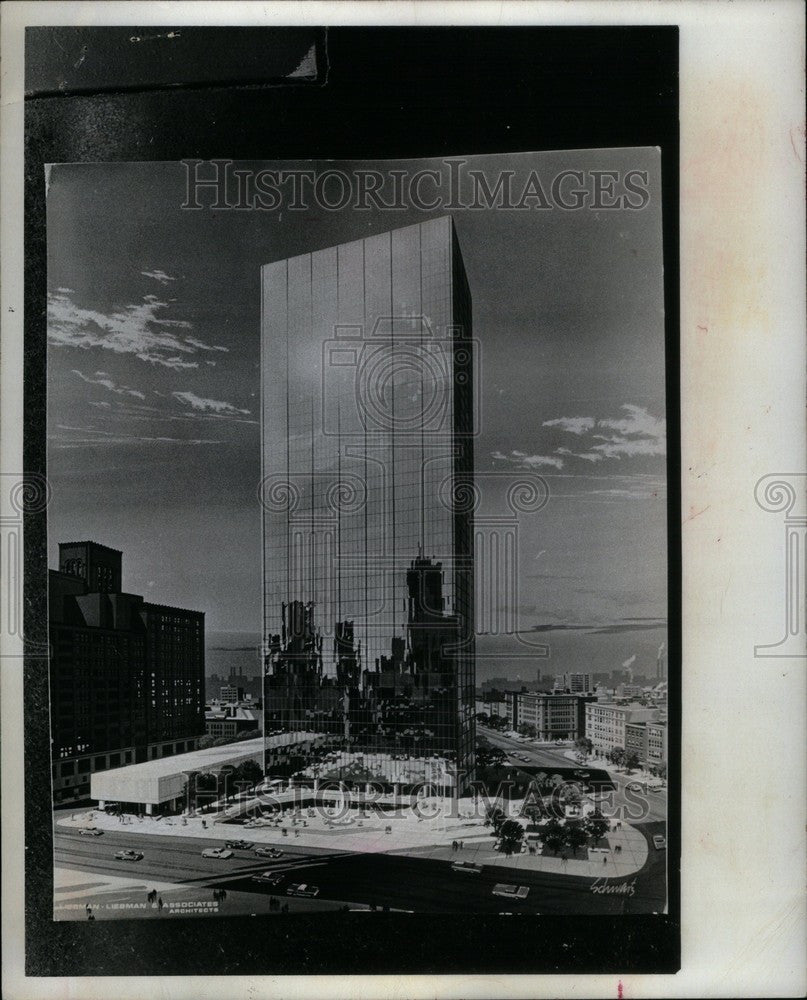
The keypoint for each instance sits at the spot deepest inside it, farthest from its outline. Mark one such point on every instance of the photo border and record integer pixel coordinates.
(611, 77)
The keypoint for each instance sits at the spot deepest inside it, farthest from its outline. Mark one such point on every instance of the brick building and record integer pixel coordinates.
(126, 675)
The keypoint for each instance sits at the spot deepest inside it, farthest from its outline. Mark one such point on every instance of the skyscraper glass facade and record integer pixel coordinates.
(368, 498)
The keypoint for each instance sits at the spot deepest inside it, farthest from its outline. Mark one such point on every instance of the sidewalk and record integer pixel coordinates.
(410, 835)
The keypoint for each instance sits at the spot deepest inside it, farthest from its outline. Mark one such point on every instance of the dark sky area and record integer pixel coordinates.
(154, 385)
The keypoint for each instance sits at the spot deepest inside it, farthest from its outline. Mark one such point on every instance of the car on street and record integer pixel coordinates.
(508, 891)
(268, 852)
(128, 855)
(239, 845)
(468, 867)
(659, 842)
(216, 852)
(301, 889)
(268, 878)
(90, 831)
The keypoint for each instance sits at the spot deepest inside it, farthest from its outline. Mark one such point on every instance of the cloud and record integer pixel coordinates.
(636, 433)
(136, 328)
(524, 461)
(94, 436)
(204, 347)
(638, 421)
(574, 425)
(209, 406)
(616, 447)
(103, 379)
(158, 275)
(589, 456)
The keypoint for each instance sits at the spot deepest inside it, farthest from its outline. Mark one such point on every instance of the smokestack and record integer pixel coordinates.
(660, 662)
(628, 665)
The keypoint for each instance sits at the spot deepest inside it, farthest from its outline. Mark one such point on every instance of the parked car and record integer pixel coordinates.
(129, 856)
(508, 891)
(239, 845)
(268, 852)
(269, 878)
(216, 852)
(659, 842)
(301, 889)
(90, 831)
(468, 867)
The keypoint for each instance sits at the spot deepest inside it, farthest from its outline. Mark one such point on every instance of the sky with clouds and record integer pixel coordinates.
(154, 381)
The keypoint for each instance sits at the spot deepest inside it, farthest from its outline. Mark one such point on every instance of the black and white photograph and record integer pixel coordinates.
(358, 586)
(402, 499)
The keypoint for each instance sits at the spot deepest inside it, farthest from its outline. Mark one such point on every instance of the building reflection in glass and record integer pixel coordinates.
(368, 569)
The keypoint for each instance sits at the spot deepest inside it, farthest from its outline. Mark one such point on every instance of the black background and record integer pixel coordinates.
(379, 92)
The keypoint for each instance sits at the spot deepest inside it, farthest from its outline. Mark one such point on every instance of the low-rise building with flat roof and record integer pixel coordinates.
(159, 786)
(606, 724)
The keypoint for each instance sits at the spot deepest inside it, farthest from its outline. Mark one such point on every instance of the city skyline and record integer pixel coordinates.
(154, 381)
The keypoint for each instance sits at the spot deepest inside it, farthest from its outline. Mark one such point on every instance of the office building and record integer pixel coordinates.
(126, 675)
(555, 716)
(574, 683)
(368, 533)
(230, 721)
(229, 694)
(606, 723)
(656, 743)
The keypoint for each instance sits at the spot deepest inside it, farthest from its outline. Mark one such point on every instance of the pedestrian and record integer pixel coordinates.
(605, 859)
(160, 904)
(88, 908)
(453, 845)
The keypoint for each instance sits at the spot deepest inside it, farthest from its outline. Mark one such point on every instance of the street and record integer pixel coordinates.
(546, 757)
(396, 881)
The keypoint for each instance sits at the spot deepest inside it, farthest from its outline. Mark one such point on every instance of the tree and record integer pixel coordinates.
(496, 817)
(661, 770)
(576, 837)
(248, 773)
(511, 833)
(616, 755)
(202, 786)
(596, 826)
(226, 781)
(631, 760)
(584, 747)
(554, 835)
(571, 794)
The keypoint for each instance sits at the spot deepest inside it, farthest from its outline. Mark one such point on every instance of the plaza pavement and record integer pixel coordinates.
(623, 851)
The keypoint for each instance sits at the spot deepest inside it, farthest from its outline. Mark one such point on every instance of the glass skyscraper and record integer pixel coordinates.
(368, 497)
